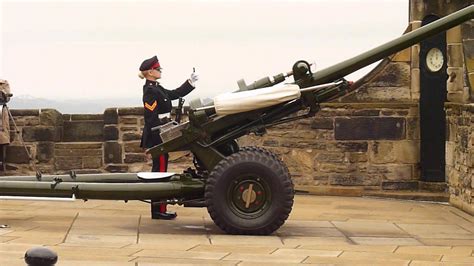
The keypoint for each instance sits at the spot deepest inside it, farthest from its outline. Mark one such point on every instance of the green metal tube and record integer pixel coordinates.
(348, 66)
(103, 177)
(110, 191)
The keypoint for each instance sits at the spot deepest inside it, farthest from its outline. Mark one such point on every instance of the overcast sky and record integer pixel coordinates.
(92, 49)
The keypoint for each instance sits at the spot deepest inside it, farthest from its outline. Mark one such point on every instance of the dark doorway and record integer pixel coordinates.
(433, 64)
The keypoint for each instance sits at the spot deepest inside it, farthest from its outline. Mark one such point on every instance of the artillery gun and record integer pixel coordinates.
(247, 190)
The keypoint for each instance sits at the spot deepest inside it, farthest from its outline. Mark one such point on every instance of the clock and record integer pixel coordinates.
(434, 59)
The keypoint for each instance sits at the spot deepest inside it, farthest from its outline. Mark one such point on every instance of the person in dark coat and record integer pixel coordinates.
(157, 108)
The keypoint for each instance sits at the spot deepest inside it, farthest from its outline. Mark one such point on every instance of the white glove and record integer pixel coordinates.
(194, 77)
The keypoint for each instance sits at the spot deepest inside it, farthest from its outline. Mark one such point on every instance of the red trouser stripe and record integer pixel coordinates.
(162, 163)
(163, 208)
(162, 169)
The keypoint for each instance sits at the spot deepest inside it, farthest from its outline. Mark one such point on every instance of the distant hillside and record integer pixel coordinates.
(96, 106)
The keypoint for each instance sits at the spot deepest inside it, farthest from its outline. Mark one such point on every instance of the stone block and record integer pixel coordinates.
(335, 167)
(331, 157)
(301, 159)
(116, 168)
(455, 55)
(366, 112)
(413, 128)
(363, 128)
(382, 152)
(112, 152)
(22, 121)
(415, 84)
(470, 162)
(450, 153)
(453, 35)
(131, 111)
(392, 172)
(319, 180)
(135, 158)
(44, 151)
(352, 146)
(80, 145)
(415, 57)
(128, 120)
(396, 185)
(455, 81)
(463, 135)
(471, 85)
(353, 180)
(328, 110)
(17, 154)
(92, 162)
(394, 75)
(452, 131)
(111, 116)
(322, 123)
(128, 129)
(357, 157)
(369, 93)
(433, 186)
(127, 136)
(83, 117)
(42, 133)
(459, 96)
(111, 132)
(77, 131)
(271, 143)
(51, 117)
(469, 54)
(78, 152)
(386, 112)
(407, 152)
(402, 56)
(67, 163)
(25, 112)
(299, 134)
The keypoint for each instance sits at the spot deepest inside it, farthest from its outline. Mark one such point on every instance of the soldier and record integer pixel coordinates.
(157, 104)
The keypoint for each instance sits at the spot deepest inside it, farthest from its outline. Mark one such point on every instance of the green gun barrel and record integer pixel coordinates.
(109, 191)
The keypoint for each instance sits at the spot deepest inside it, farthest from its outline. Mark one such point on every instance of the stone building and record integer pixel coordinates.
(407, 127)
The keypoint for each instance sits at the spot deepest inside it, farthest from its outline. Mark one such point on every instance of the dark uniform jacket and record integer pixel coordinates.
(157, 100)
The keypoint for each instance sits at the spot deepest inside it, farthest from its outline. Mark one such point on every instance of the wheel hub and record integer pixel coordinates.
(249, 196)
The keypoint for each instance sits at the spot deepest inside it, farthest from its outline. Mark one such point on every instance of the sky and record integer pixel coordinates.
(92, 49)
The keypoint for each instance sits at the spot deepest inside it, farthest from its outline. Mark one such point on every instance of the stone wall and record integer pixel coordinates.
(460, 92)
(96, 143)
(460, 155)
(374, 146)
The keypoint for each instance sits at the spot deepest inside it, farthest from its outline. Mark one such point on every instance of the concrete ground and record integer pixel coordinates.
(320, 230)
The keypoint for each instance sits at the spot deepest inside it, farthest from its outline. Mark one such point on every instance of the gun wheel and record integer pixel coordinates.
(249, 192)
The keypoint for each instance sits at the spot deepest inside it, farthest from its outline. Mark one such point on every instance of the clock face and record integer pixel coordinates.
(434, 60)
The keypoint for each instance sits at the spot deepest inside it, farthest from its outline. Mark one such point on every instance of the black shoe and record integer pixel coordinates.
(163, 215)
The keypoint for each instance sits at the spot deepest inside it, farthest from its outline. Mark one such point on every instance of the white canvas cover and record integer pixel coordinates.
(238, 102)
(154, 175)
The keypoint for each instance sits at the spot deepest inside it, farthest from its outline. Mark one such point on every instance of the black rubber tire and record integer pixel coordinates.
(268, 152)
(272, 181)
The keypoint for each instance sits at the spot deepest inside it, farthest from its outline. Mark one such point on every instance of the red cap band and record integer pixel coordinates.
(156, 65)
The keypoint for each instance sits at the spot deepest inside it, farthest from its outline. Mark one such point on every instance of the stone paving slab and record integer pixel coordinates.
(236, 248)
(320, 230)
(375, 241)
(355, 261)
